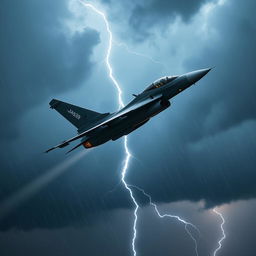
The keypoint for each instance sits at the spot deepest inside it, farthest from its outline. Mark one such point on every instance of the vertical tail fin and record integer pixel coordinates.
(79, 117)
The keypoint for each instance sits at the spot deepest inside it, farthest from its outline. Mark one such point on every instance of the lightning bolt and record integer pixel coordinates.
(127, 151)
(125, 46)
(150, 200)
(121, 105)
(172, 216)
(222, 230)
(110, 70)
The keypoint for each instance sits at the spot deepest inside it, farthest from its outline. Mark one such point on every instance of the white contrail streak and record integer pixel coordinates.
(29, 190)
(222, 230)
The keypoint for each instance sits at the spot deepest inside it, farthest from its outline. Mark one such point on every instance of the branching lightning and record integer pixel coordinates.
(222, 230)
(140, 54)
(127, 152)
(121, 105)
(172, 216)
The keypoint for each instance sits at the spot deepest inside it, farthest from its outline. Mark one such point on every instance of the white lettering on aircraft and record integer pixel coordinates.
(74, 114)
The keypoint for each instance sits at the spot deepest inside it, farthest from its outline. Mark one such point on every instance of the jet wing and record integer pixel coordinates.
(107, 121)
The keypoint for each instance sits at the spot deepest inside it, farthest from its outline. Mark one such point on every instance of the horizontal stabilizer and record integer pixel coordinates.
(61, 145)
(80, 144)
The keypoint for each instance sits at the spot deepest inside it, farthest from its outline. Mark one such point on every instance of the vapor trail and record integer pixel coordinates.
(222, 230)
(29, 190)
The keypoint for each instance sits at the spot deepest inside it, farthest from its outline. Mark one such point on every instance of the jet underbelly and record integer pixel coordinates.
(139, 118)
(125, 124)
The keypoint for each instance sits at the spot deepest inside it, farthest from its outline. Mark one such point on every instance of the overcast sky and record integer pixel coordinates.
(198, 154)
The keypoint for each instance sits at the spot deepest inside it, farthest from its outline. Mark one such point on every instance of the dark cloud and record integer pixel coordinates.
(212, 138)
(145, 15)
(80, 194)
(229, 99)
(38, 57)
(151, 14)
(218, 169)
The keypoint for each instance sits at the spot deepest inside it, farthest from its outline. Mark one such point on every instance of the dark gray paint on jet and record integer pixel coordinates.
(95, 129)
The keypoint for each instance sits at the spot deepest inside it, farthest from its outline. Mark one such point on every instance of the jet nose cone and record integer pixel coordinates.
(194, 76)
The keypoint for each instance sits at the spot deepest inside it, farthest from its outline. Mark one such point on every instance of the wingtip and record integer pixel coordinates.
(54, 103)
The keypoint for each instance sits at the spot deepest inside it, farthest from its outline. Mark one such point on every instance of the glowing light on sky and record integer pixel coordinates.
(186, 224)
(222, 230)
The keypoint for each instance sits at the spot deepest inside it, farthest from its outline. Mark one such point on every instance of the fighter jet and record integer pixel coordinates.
(95, 128)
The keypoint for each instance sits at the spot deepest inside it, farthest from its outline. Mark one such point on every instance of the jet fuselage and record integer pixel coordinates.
(95, 128)
(153, 101)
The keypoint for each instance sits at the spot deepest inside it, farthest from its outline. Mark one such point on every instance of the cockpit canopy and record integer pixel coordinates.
(160, 82)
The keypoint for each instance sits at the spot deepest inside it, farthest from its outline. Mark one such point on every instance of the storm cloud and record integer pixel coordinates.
(148, 14)
(211, 135)
(39, 56)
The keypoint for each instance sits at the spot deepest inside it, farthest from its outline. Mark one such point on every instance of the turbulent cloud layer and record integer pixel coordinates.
(148, 14)
(38, 56)
(211, 134)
